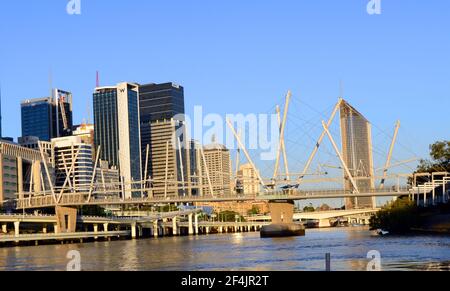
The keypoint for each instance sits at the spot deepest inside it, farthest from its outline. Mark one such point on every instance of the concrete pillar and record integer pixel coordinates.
(133, 231)
(207, 230)
(282, 212)
(155, 229)
(174, 226)
(44, 229)
(191, 227)
(196, 223)
(324, 223)
(16, 228)
(66, 218)
(96, 230)
(140, 232)
(4, 228)
(20, 177)
(105, 227)
(56, 228)
(37, 187)
(221, 229)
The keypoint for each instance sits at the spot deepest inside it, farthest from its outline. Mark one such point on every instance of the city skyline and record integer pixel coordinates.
(288, 56)
(256, 136)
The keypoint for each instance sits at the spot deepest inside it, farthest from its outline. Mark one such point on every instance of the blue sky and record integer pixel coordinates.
(240, 56)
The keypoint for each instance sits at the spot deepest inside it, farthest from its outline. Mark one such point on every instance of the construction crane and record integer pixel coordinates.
(61, 102)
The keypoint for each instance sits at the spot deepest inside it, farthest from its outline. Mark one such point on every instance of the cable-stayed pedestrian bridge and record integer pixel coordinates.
(40, 200)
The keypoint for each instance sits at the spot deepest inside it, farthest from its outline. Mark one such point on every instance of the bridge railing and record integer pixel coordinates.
(42, 201)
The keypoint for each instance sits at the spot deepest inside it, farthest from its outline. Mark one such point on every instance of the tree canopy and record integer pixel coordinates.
(439, 160)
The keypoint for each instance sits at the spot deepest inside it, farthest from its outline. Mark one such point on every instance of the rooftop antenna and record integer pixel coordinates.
(88, 110)
(97, 81)
(50, 82)
(341, 88)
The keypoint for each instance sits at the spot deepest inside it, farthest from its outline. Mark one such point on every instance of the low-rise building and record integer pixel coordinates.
(21, 171)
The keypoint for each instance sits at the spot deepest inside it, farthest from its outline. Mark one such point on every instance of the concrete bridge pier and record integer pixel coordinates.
(16, 228)
(105, 227)
(196, 224)
(44, 229)
(191, 226)
(282, 212)
(96, 230)
(155, 229)
(323, 223)
(174, 226)
(140, 231)
(133, 231)
(66, 218)
(4, 228)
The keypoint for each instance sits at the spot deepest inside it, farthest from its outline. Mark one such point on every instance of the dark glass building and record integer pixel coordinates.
(157, 102)
(37, 118)
(48, 118)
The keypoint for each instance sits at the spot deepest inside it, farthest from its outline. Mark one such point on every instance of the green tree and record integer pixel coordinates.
(397, 217)
(309, 208)
(229, 216)
(439, 160)
(92, 211)
(253, 211)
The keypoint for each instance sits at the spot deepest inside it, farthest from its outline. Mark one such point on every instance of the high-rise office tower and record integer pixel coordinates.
(247, 180)
(357, 154)
(170, 159)
(218, 163)
(157, 102)
(117, 130)
(48, 117)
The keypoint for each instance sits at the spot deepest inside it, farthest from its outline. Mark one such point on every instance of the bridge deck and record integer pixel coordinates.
(82, 199)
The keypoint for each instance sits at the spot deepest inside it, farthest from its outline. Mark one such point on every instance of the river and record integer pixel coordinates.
(242, 252)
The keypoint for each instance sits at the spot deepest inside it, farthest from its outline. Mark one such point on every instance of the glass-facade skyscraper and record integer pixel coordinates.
(117, 129)
(357, 155)
(157, 102)
(47, 118)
